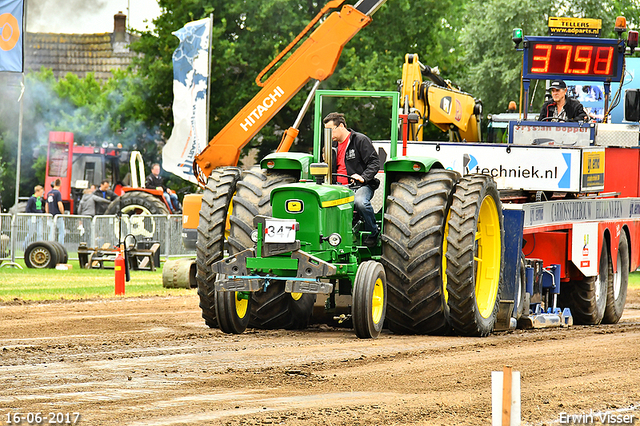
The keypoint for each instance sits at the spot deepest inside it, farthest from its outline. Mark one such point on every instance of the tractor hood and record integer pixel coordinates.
(325, 195)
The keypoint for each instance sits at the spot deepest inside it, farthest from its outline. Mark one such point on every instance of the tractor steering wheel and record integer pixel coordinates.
(552, 118)
(352, 181)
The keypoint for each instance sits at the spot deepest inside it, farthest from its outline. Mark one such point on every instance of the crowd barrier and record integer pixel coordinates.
(17, 232)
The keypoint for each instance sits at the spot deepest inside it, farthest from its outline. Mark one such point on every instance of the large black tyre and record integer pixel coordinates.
(211, 229)
(412, 247)
(41, 255)
(617, 283)
(63, 255)
(137, 202)
(232, 311)
(369, 301)
(587, 298)
(475, 256)
(521, 307)
(273, 308)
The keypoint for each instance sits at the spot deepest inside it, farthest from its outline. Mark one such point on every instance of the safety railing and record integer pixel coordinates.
(97, 231)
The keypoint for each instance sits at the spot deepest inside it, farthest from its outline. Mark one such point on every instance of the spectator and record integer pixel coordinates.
(104, 191)
(91, 203)
(35, 205)
(154, 181)
(55, 207)
(36, 201)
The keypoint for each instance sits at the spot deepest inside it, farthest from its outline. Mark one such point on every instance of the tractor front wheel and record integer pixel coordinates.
(273, 308)
(369, 300)
(475, 249)
(233, 311)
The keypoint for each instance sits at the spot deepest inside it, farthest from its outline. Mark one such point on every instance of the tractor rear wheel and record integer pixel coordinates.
(272, 308)
(475, 256)
(617, 283)
(41, 255)
(369, 301)
(412, 251)
(137, 202)
(587, 298)
(233, 310)
(211, 229)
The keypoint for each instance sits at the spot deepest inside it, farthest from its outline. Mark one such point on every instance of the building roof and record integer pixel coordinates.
(79, 54)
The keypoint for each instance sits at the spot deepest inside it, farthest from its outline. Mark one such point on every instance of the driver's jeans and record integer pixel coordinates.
(362, 202)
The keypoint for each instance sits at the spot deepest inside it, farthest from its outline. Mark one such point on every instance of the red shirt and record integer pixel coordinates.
(342, 167)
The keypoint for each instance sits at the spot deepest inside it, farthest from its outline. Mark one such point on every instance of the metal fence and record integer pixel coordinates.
(17, 232)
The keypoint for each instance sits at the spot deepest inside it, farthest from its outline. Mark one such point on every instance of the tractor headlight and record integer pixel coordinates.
(254, 236)
(335, 239)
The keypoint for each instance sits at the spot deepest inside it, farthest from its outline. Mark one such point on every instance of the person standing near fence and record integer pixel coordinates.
(91, 203)
(55, 207)
(35, 205)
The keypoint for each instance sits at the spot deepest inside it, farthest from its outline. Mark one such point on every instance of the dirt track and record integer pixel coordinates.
(153, 362)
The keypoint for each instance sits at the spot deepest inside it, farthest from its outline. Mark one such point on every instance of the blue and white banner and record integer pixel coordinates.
(11, 35)
(190, 75)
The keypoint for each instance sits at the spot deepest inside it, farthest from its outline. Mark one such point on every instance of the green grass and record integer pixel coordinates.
(634, 279)
(51, 284)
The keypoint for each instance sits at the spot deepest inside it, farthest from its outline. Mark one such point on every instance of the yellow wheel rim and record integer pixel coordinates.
(227, 223)
(487, 257)
(241, 305)
(296, 296)
(377, 301)
(444, 258)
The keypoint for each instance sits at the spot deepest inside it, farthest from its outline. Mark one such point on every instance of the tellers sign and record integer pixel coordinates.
(572, 59)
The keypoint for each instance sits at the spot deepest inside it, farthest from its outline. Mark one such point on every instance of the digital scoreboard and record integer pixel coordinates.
(548, 58)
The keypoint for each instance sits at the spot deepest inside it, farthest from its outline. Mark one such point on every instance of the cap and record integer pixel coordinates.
(557, 84)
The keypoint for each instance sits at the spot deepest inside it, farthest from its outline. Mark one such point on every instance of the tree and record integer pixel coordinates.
(248, 34)
(494, 66)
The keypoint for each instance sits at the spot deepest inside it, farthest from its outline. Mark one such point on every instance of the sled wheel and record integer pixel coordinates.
(475, 248)
(587, 298)
(617, 283)
(369, 300)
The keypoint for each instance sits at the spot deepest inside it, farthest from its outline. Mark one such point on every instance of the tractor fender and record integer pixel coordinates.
(294, 161)
(408, 164)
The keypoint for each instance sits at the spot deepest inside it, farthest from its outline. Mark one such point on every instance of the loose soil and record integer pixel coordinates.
(152, 361)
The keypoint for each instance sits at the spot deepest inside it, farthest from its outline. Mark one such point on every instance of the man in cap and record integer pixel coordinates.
(561, 107)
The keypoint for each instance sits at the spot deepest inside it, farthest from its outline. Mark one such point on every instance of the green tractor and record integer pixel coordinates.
(437, 267)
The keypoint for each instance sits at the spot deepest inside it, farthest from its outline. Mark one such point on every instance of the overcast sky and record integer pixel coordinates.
(87, 16)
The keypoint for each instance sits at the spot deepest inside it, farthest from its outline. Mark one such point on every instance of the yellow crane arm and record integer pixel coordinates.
(448, 108)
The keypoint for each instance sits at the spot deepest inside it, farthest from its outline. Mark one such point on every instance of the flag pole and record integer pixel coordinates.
(14, 224)
(209, 74)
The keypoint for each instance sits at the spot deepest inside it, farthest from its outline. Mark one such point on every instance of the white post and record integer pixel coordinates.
(502, 391)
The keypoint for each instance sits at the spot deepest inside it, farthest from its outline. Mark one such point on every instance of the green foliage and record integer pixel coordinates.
(494, 66)
(247, 35)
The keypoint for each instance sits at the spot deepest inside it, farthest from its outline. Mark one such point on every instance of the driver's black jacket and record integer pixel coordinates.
(361, 158)
(574, 109)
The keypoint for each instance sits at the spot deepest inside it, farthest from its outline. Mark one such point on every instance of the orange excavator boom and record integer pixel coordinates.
(316, 58)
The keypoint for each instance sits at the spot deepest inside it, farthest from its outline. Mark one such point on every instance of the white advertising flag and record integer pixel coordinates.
(190, 75)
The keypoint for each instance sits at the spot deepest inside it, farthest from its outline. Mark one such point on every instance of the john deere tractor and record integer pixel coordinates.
(437, 267)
